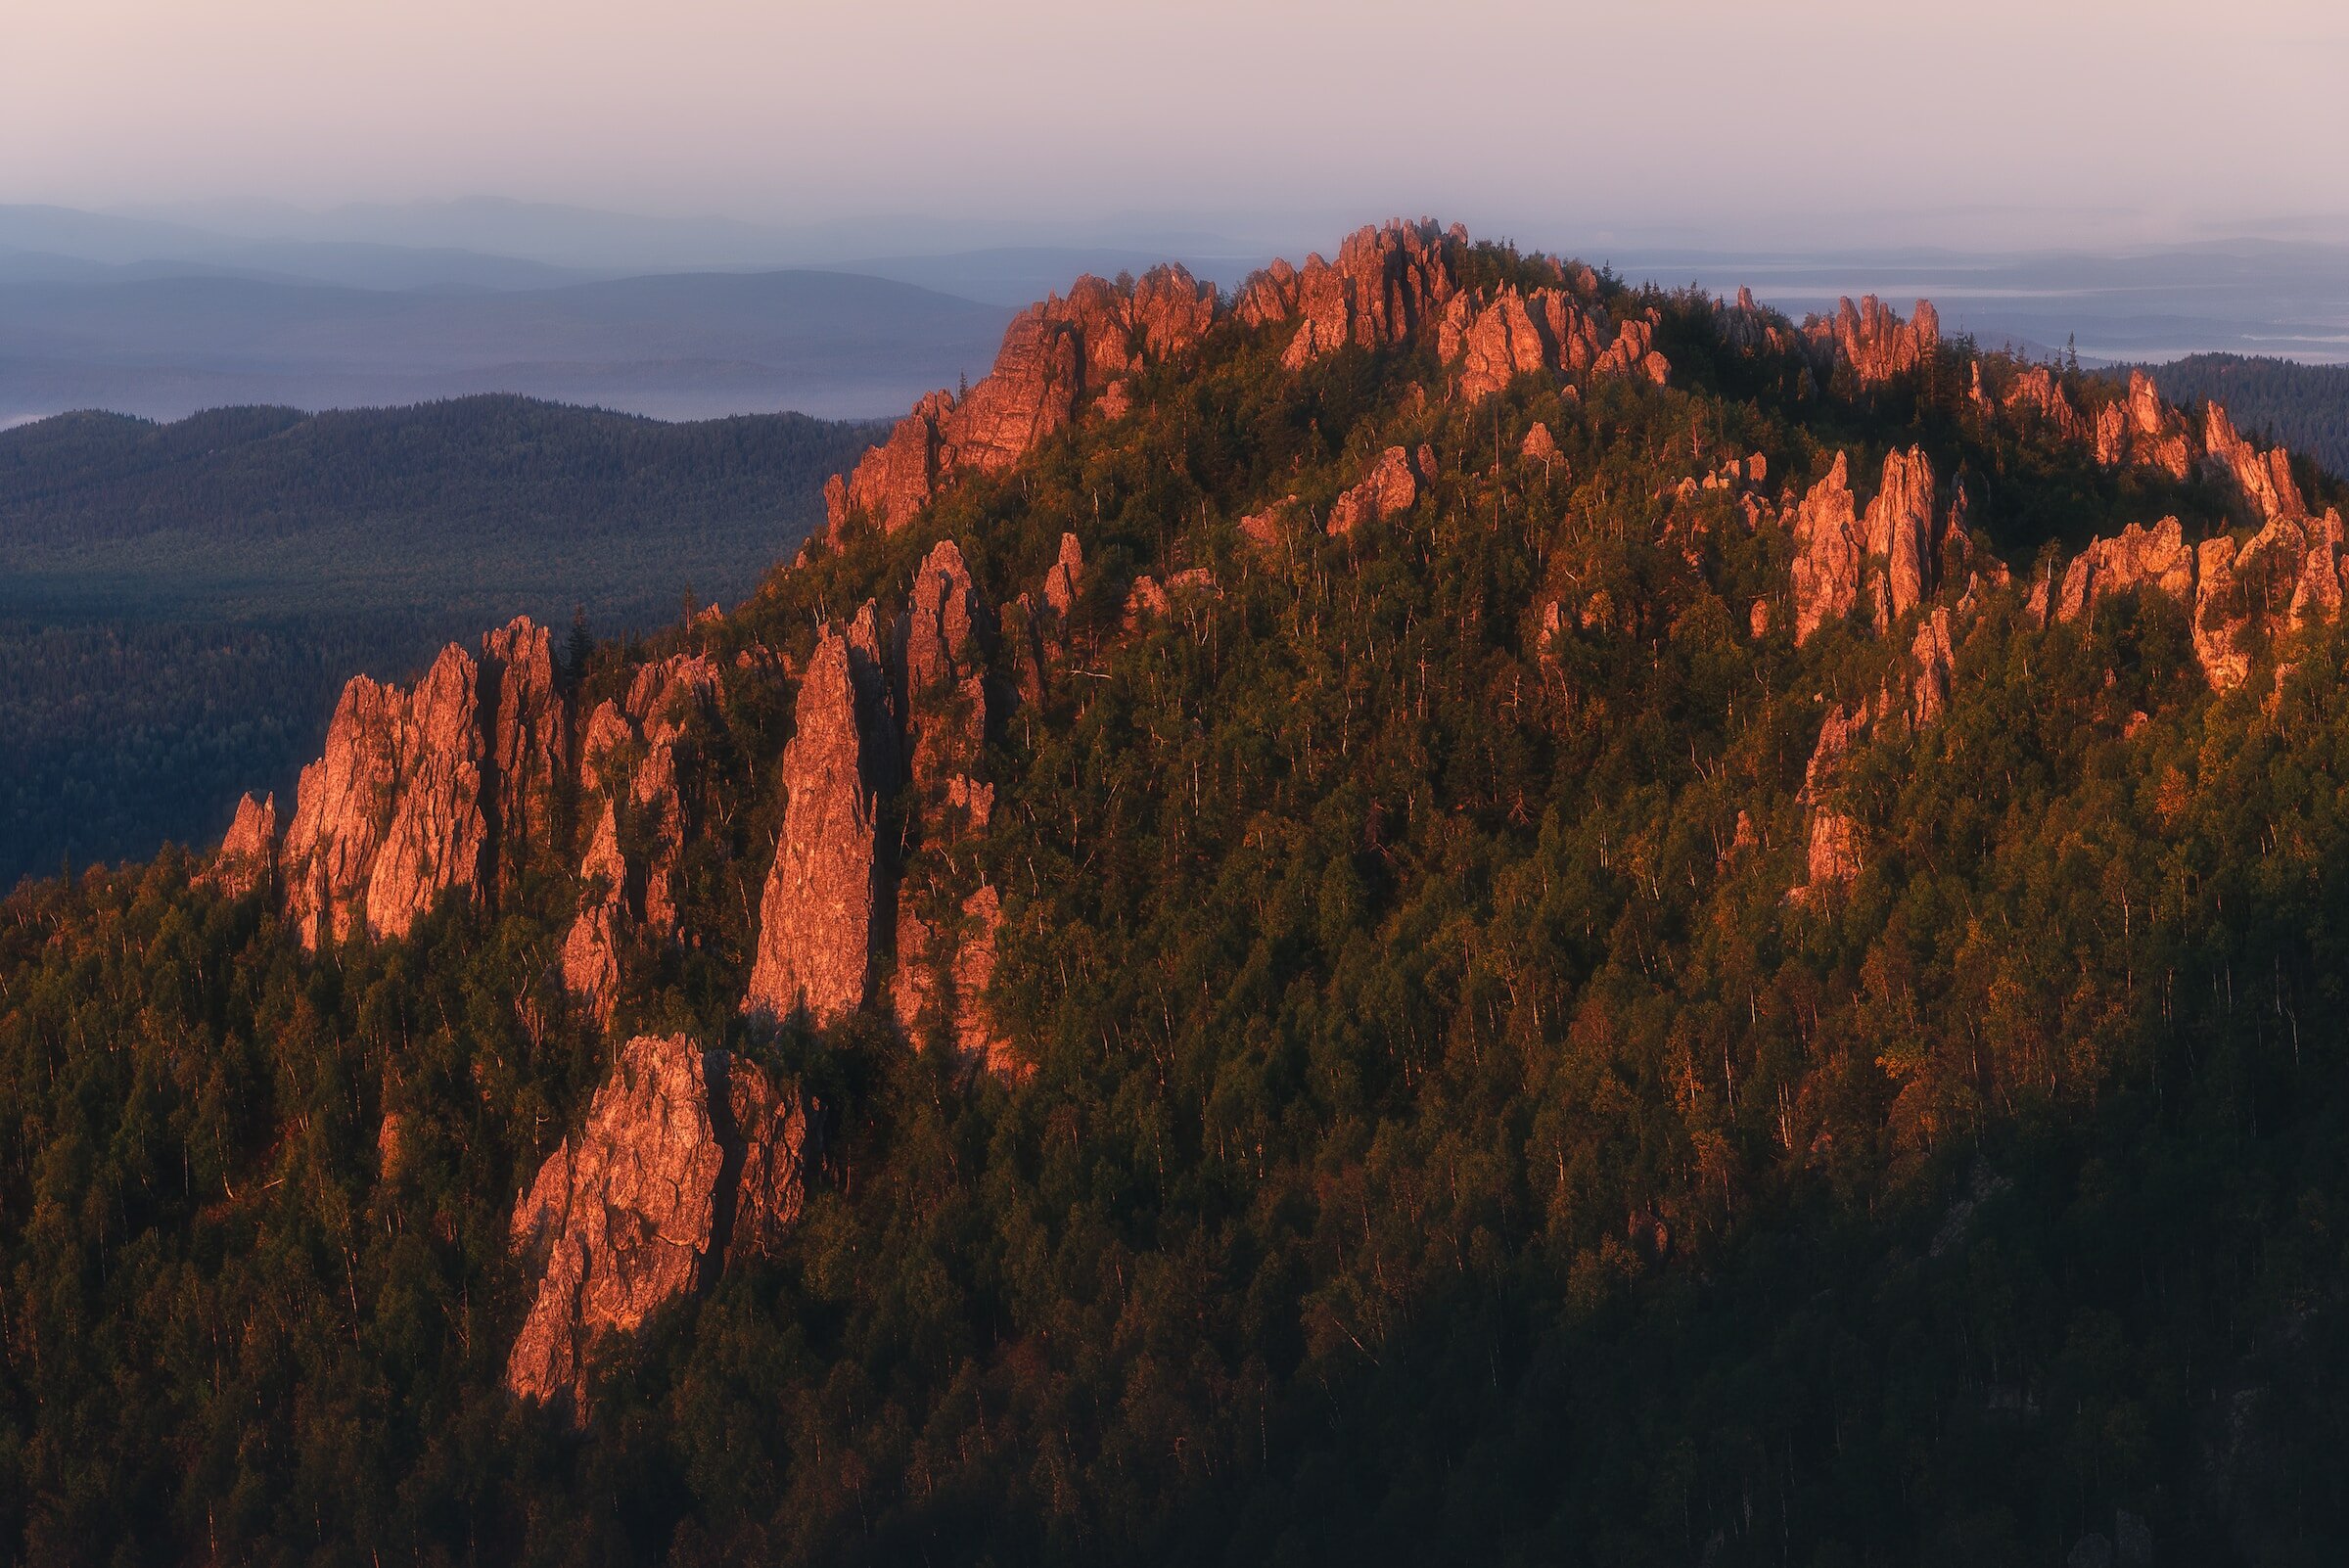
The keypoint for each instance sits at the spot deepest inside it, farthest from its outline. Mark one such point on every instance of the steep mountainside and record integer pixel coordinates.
(1434, 912)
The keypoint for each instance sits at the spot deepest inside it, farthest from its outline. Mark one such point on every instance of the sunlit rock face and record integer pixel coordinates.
(688, 1159)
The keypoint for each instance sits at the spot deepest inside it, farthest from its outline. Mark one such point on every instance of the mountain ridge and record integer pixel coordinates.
(1442, 907)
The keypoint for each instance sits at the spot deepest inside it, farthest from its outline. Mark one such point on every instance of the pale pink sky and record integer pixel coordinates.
(2007, 118)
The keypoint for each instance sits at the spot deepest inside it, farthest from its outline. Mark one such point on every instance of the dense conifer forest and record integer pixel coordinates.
(1442, 1131)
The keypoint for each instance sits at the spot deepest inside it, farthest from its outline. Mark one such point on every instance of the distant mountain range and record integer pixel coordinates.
(679, 347)
(165, 313)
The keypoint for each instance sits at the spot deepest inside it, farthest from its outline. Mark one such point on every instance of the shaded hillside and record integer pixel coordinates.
(1439, 912)
(2304, 406)
(179, 603)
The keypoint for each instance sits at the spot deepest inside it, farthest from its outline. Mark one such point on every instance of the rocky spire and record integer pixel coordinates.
(1492, 343)
(2264, 479)
(1899, 532)
(247, 862)
(1828, 550)
(816, 919)
(528, 741)
(1384, 285)
(1831, 836)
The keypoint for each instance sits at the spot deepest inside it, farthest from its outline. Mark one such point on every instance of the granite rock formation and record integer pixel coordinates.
(685, 1157)
(2141, 429)
(1832, 840)
(1055, 355)
(1390, 490)
(1874, 341)
(527, 728)
(247, 862)
(815, 947)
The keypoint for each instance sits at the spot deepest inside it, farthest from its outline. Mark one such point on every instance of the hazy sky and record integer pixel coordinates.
(1705, 119)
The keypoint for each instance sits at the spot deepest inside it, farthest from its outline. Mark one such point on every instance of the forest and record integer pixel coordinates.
(2306, 407)
(181, 603)
(1444, 1132)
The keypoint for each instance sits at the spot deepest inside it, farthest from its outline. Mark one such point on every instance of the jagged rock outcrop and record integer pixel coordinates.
(1493, 342)
(247, 860)
(1874, 341)
(816, 933)
(2141, 428)
(1899, 532)
(948, 970)
(1539, 445)
(634, 755)
(1054, 356)
(420, 793)
(2036, 390)
(1832, 547)
(2265, 479)
(591, 947)
(686, 1158)
(1748, 328)
(2155, 557)
(528, 741)
(1932, 657)
(1832, 837)
(438, 832)
(1390, 490)
(1385, 284)
(2289, 574)
(1063, 578)
(1829, 549)
(941, 958)
(391, 816)
(941, 670)
(2282, 578)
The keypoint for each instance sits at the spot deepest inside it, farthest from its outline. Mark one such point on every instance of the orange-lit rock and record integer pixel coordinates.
(682, 1151)
(816, 921)
(247, 860)
(1829, 549)
(2155, 557)
(1875, 343)
(1389, 491)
